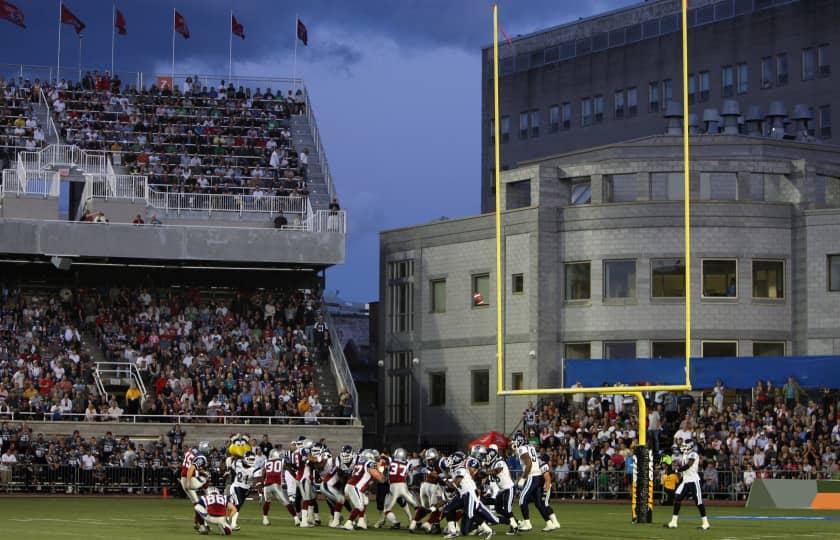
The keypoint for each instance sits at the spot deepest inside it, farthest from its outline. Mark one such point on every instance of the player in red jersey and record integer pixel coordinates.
(274, 484)
(194, 474)
(214, 509)
(364, 472)
(398, 471)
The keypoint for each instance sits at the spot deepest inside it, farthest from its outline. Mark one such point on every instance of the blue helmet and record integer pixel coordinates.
(200, 461)
(518, 440)
(455, 460)
(492, 455)
(473, 463)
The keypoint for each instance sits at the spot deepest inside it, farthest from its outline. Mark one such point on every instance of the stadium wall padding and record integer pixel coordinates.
(794, 495)
(741, 372)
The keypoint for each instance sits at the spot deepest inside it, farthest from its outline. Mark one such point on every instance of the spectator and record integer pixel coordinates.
(718, 396)
(132, 399)
(138, 220)
(792, 392)
(114, 411)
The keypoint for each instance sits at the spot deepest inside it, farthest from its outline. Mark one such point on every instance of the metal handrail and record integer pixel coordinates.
(177, 418)
(316, 138)
(50, 122)
(105, 368)
(338, 362)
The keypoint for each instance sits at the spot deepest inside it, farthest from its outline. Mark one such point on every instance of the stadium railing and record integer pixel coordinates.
(316, 137)
(340, 367)
(232, 420)
(50, 127)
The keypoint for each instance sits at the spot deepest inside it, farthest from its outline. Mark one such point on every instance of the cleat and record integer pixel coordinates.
(265, 521)
(348, 525)
(669, 526)
(512, 531)
(489, 534)
(703, 527)
(550, 526)
(451, 535)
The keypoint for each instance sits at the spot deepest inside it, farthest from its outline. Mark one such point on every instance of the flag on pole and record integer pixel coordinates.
(67, 17)
(507, 37)
(11, 13)
(119, 23)
(237, 28)
(181, 25)
(301, 32)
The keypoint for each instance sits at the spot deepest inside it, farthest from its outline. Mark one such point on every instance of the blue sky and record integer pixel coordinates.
(395, 84)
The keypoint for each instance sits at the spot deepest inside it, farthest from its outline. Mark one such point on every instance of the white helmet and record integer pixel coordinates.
(204, 447)
(250, 458)
(274, 454)
(211, 491)
(400, 454)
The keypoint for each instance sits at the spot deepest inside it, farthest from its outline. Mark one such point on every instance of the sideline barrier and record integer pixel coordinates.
(795, 494)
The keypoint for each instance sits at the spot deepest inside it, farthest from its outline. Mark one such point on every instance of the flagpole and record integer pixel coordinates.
(58, 66)
(230, 48)
(173, 48)
(113, 33)
(80, 56)
(294, 64)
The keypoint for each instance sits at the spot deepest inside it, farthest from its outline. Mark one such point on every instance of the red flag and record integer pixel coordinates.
(301, 32)
(119, 23)
(181, 25)
(11, 13)
(237, 27)
(67, 17)
(504, 34)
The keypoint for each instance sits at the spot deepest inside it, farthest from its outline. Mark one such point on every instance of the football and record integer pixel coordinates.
(197, 482)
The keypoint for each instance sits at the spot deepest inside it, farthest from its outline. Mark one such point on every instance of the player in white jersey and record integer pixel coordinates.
(531, 484)
(500, 474)
(330, 476)
(689, 465)
(474, 511)
(243, 473)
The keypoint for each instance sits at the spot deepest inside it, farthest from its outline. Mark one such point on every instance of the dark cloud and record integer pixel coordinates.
(341, 57)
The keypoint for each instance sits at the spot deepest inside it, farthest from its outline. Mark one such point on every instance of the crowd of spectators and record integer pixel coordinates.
(778, 432)
(19, 126)
(196, 138)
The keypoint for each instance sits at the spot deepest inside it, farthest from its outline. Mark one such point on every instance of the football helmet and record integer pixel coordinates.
(479, 452)
(400, 454)
(455, 460)
(250, 459)
(431, 457)
(686, 446)
(212, 491)
(472, 463)
(274, 454)
(492, 455)
(200, 462)
(518, 440)
(346, 454)
(204, 447)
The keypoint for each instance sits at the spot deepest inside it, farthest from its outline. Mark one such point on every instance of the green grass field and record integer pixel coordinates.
(154, 519)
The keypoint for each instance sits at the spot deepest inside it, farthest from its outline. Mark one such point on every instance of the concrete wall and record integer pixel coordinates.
(12, 207)
(117, 241)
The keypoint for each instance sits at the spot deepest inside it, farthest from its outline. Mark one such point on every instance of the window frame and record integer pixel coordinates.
(473, 387)
(692, 88)
(809, 53)
(742, 80)
(433, 307)
(628, 297)
(824, 128)
(566, 273)
(598, 109)
(607, 343)
(782, 75)
(675, 341)
(553, 118)
(653, 92)
(830, 285)
(566, 346)
(768, 72)
(473, 290)
(771, 342)
(652, 262)
(579, 181)
(727, 72)
(524, 131)
(783, 296)
(514, 384)
(504, 129)
(618, 104)
(703, 86)
(432, 376)
(703, 345)
(513, 279)
(632, 109)
(703, 295)
(534, 119)
(566, 115)
(585, 117)
(823, 60)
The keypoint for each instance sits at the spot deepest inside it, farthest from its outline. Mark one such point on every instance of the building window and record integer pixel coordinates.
(666, 186)
(834, 273)
(767, 74)
(632, 101)
(523, 125)
(554, 118)
(585, 112)
(619, 349)
(825, 121)
(808, 63)
(505, 129)
(535, 123)
(668, 349)
(782, 68)
(438, 295)
(598, 106)
(768, 279)
(581, 192)
(667, 92)
(399, 378)
(492, 131)
(712, 349)
(566, 115)
(743, 78)
(668, 276)
(517, 283)
(653, 97)
(692, 88)
(401, 295)
(516, 380)
(620, 188)
(572, 351)
(618, 102)
(768, 348)
(620, 279)
(727, 78)
(480, 386)
(437, 389)
(481, 290)
(704, 85)
(577, 281)
(518, 194)
(718, 186)
(720, 278)
(823, 61)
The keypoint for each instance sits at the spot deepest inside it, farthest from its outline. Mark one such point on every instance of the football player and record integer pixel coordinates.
(364, 472)
(398, 472)
(688, 464)
(474, 511)
(331, 482)
(193, 474)
(431, 492)
(500, 473)
(531, 484)
(243, 472)
(214, 509)
(274, 484)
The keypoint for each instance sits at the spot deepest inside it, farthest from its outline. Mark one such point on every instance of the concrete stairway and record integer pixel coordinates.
(327, 386)
(42, 116)
(301, 139)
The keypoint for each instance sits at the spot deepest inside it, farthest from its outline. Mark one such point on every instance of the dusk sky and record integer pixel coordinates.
(395, 86)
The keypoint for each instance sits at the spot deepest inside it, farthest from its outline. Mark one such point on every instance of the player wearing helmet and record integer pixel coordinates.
(243, 471)
(215, 509)
(194, 477)
(688, 464)
(531, 484)
(500, 474)
(364, 472)
(474, 511)
(331, 484)
(310, 454)
(398, 473)
(274, 484)
(431, 491)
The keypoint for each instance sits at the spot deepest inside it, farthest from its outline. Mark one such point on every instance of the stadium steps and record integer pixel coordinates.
(302, 138)
(42, 115)
(327, 387)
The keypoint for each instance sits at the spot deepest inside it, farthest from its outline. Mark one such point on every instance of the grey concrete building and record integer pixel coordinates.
(609, 77)
(594, 268)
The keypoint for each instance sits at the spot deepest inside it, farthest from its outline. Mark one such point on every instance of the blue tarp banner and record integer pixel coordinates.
(742, 372)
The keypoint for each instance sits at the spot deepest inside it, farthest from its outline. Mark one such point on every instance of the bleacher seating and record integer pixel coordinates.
(19, 125)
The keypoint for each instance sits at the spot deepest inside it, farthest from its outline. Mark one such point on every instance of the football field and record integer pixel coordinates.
(126, 518)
